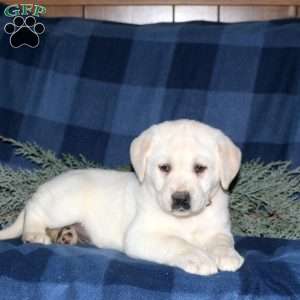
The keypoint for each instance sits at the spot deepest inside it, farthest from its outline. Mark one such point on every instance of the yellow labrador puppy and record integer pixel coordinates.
(173, 210)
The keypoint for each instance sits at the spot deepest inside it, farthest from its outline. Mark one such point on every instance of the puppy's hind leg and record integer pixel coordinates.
(50, 207)
(34, 229)
(35, 221)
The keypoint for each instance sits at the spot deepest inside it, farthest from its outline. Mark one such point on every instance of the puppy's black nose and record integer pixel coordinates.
(181, 201)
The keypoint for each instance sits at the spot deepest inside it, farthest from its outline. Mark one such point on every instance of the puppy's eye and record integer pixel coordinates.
(166, 168)
(198, 169)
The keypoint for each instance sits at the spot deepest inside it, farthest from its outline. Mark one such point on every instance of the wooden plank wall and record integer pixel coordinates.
(164, 12)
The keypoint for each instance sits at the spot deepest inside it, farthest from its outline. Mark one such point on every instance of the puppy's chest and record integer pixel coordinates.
(198, 230)
(192, 231)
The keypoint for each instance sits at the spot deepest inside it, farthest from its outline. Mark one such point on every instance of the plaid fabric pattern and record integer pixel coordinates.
(271, 271)
(90, 87)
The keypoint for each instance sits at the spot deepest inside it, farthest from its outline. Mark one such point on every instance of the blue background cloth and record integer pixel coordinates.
(90, 87)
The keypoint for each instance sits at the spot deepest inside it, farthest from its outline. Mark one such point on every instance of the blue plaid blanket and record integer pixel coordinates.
(90, 87)
(271, 271)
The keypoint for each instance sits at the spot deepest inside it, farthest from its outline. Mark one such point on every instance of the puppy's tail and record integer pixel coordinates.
(14, 230)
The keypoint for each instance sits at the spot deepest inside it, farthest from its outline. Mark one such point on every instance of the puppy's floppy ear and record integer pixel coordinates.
(229, 160)
(139, 151)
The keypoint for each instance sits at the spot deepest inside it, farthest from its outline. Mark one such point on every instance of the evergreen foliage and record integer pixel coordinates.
(264, 199)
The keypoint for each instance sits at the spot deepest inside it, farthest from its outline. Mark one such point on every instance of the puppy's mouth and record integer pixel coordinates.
(184, 213)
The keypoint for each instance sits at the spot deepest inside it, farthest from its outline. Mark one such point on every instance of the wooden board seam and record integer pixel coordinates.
(164, 2)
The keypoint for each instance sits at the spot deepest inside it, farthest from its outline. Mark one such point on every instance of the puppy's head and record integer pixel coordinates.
(184, 162)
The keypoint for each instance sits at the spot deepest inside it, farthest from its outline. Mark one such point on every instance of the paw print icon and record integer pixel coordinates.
(24, 31)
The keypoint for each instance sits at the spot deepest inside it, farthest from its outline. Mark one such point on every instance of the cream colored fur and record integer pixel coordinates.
(133, 212)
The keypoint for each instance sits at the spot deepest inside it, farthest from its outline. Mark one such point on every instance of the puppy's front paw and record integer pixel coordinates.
(228, 259)
(36, 237)
(197, 263)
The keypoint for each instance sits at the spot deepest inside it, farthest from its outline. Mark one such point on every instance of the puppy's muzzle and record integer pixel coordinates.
(181, 201)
